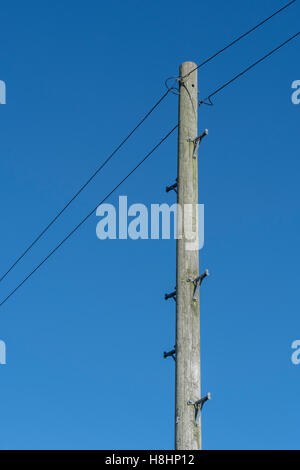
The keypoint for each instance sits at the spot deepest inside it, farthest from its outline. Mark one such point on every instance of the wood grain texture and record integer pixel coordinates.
(187, 435)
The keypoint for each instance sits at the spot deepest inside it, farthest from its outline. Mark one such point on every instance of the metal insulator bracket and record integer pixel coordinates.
(197, 142)
(170, 354)
(198, 407)
(197, 283)
(172, 295)
(172, 188)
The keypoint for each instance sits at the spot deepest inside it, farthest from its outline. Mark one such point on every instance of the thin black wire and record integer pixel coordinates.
(240, 37)
(208, 98)
(87, 217)
(84, 186)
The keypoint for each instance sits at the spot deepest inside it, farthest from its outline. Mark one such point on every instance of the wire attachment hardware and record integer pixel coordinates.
(172, 295)
(171, 354)
(207, 103)
(197, 283)
(173, 87)
(198, 407)
(197, 142)
(173, 187)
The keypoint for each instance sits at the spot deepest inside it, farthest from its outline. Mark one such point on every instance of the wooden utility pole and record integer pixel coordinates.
(188, 387)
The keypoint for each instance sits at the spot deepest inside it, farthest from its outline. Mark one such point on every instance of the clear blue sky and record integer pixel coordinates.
(85, 336)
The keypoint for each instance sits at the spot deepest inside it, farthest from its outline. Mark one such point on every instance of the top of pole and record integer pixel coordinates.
(187, 67)
(189, 63)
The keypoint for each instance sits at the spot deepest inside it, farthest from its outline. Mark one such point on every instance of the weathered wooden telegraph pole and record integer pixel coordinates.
(188, 384)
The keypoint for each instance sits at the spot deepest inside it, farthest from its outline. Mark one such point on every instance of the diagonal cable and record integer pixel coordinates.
(83, 186)
(208, 98)
(86, 218)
